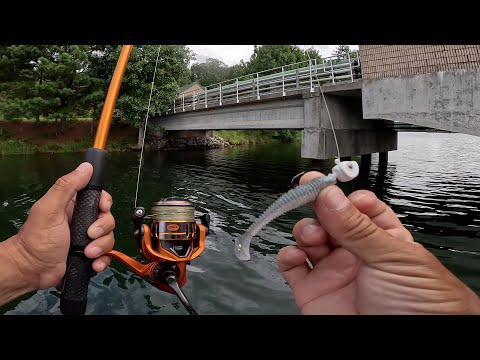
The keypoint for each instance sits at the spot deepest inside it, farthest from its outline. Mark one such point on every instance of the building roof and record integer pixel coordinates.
(185, 87)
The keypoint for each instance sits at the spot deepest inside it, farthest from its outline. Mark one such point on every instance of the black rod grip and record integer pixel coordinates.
(73, 300)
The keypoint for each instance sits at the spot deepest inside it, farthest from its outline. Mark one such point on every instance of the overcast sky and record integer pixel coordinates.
(232, 54)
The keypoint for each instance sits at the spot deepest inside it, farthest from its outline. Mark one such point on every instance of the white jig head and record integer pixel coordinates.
(345, 170)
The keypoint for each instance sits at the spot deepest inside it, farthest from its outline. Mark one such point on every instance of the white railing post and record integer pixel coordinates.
(193, 101)
(206, 96)
(258, 89)
(331, 68)
(174, 108)
(183, 102)
(310, 69)
(237, 91)
(350, 63)
(220, 94)
(283, 83)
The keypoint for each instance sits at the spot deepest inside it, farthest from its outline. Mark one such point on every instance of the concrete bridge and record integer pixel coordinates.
(367, 91)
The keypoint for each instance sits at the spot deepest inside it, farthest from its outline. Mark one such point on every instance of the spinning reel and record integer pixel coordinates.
(170, 239)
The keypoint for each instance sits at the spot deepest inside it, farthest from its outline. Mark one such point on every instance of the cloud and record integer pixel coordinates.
(232, 54)
(229, 54)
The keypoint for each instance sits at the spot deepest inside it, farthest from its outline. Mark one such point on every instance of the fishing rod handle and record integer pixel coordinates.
(73, 300)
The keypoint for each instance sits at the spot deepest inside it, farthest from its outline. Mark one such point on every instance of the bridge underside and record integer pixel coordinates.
(305, 111)
(267, 114)
(447, 100)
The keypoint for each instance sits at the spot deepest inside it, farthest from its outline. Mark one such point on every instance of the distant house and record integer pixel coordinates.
(189, 89)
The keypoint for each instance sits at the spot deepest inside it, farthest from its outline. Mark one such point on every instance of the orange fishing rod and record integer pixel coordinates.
(169, 237)
(73, 300)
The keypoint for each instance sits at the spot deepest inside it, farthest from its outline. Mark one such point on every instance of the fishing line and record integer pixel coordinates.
(325, 101)
(146, 121)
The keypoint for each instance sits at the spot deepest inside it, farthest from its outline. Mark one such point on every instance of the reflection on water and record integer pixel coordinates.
(430, 182)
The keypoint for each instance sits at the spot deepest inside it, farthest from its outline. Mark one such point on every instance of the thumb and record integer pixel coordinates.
(352, 229)
(65, 188)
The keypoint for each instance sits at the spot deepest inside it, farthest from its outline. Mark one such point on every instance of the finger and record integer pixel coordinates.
(380, 213)
(100, 246)
(104, 205)
(103, 225)
(351, 228)
(312, 239)
(101, 263)
(331, 274)
(105, 201)
(292, 263)
(62, 192)
(310, 176)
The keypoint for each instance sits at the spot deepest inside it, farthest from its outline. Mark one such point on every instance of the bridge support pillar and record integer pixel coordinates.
(355, 135)
(366, 161)
(319, 165)
(383, 158)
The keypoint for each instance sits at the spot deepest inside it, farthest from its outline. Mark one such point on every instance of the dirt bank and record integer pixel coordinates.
(49, 132)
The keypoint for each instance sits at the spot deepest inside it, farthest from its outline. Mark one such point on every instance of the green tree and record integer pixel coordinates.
(212, 71)
(342, 51)
(237, 70)
(134, 93)
(21, 83)
(312, 53)
(265, 57)
(72, 80)
(102, 64)
(54, 81)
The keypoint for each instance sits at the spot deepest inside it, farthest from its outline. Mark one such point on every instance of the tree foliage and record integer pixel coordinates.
(63, 82)
(266, 57)
(212, 71)
(342, 51)
(134, 93)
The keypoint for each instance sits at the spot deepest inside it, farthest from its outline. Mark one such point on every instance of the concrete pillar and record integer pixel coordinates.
(354, 134)
(383, 158)
(318, 164)
(140, 137)
(366, 161)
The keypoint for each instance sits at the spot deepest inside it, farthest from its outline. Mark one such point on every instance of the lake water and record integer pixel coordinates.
(432, 182)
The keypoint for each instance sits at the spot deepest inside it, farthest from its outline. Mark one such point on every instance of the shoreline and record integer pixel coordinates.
(24, 137)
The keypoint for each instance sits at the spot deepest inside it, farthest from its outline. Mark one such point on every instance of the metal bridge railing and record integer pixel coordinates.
(280, 80)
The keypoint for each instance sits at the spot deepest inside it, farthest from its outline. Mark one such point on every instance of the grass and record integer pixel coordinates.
(16, 147)
(19, 147)
(252, 137)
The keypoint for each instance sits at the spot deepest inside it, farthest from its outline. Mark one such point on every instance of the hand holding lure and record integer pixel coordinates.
(301, 195)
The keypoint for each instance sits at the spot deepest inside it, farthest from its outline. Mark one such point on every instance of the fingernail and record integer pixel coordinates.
(83, 167)
(309, 230)
(101, 267)
(335, 199)
(95, 251)
(109, 204)
(97, 232)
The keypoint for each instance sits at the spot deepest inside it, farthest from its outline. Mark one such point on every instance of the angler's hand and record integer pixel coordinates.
(41, 246)
(366, 262)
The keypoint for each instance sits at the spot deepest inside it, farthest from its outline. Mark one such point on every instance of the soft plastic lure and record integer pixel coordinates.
(301, 195)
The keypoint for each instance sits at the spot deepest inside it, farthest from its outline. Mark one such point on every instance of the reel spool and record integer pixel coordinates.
(175, 235)
(171, 238)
